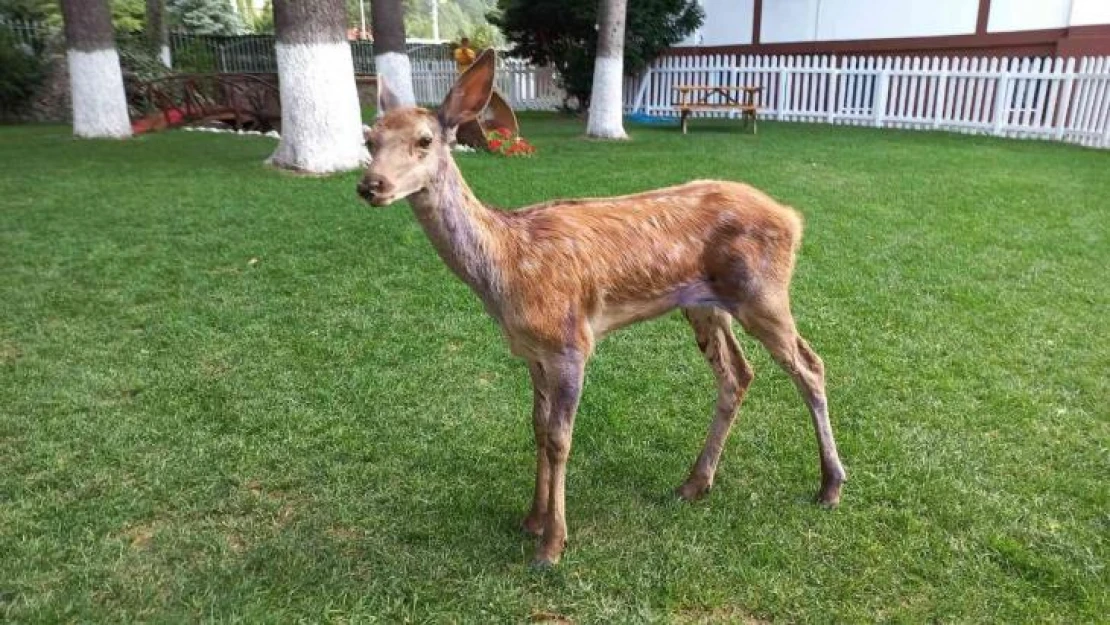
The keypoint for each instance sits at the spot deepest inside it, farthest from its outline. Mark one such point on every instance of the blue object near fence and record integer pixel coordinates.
(644, 118)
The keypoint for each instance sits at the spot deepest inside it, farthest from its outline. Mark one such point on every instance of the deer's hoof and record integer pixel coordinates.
(548, 553)
(543, 565)
(691, 491)
(829, 497)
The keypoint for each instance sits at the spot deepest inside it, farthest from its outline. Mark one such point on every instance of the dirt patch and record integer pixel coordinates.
(284, 515)
(236, 543)
(140, 536)
(543, 616)
(214, 368)
(286, 510)
(714, 616)
(345, 533)
(9, 353)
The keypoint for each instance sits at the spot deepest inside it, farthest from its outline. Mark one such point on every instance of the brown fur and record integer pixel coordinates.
(559, 275)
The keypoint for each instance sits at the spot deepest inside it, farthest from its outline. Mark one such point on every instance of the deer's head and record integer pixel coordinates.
(407, 144)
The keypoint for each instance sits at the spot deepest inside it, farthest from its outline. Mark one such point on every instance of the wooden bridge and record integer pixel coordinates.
(242, 101)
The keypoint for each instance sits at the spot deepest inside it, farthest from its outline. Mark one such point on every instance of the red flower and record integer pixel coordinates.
(521, 147)
(504, 142)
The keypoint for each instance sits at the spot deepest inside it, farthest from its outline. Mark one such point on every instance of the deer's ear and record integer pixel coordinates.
(387, 100)
(471, 93)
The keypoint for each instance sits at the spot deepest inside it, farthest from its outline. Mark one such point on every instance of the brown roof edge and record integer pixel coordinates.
(1091, 40)
(1074, 41)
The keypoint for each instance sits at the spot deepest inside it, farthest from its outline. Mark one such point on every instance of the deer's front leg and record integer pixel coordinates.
(563, 376)
(541, 408)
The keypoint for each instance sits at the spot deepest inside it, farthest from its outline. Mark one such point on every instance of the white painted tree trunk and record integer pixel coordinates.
(321, 123)
(95, 79)
(606, 100)
(391, 57)
(155, 32)
(96, 88)
(397, 71)
(606, 96)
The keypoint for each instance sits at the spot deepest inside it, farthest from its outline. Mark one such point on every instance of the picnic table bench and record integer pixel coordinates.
(691, 98)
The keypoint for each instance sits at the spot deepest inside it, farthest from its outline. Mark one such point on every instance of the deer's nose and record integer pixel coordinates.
(371, 185)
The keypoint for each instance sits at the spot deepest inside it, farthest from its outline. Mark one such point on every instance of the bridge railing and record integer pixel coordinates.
(255, 53)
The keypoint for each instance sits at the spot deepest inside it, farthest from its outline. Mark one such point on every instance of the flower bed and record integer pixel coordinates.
(502, 141)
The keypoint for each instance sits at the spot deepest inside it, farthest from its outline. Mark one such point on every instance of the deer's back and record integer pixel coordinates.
(631, 257)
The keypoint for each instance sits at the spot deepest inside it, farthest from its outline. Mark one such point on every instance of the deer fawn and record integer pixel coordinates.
(560, 275)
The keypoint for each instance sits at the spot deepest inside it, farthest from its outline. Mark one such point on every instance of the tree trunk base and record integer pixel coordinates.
(96, 88)
(320, 118)
(606, 120)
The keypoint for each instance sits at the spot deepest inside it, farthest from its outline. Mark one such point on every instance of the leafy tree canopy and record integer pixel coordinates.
(258, 19)
(457, 19)
(204, 17)
(30, 10)
(563, 33)
(127, 15)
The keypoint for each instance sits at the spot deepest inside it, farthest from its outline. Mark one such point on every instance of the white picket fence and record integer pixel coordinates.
(1065, 100)
(523, 85)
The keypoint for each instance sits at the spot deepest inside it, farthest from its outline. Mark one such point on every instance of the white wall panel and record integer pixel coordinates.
(1086, 12)
(1010, 15)
(727, 22)
(882, 19)
(789, 20)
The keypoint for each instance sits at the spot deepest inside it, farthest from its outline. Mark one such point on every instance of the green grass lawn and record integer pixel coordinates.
(229, 393)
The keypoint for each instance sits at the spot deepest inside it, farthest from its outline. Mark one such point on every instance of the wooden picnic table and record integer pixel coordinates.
(690, 98)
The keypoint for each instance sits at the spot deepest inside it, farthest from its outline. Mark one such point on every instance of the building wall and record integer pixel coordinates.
(878, 19)
(835, 20)
(1011, 15)
(729, 22)
(1089, 12)
(788, 20)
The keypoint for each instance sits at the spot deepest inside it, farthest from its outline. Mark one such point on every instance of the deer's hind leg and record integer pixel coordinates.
(541, 409)
(713, 330)
(768, 319)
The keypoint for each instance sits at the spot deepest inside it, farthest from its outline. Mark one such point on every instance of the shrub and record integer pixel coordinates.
(563, 33)
(21, 72)
(136, 59)
(195, 57)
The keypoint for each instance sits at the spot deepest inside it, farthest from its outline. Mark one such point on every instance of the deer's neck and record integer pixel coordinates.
(463, 231)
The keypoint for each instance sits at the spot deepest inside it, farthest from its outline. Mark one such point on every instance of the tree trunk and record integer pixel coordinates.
(606, 97)
(321, 124)
(387, 23)
(155, 30)
(95, 78)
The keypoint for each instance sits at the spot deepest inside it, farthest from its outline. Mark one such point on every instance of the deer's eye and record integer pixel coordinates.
(424, 143)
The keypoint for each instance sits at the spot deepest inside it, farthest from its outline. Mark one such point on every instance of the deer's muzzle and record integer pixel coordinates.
(374, 188)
